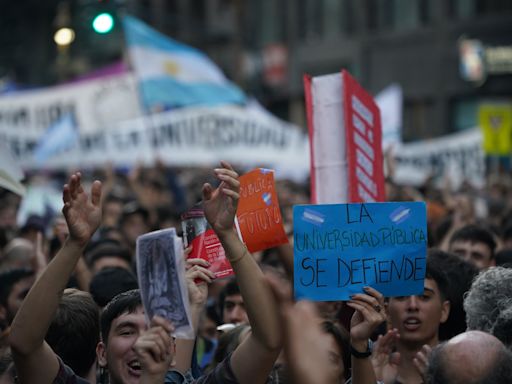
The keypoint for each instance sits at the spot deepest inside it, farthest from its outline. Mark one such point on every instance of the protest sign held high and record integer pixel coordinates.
(341, 248)
(205, 244)
(258, 213)
(162, 281)
(345, 138)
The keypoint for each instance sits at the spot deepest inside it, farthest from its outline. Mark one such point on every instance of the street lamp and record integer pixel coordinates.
(64, 36)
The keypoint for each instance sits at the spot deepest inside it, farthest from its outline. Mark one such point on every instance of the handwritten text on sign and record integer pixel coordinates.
(340, 248)
(258, 213)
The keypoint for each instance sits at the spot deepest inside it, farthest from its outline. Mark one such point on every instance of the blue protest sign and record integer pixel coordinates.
(341, 248)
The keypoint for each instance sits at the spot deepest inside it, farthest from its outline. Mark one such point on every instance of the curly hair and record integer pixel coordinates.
(488, 304)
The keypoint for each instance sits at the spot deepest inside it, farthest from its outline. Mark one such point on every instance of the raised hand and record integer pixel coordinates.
(220, 204)
(370, 313)
(305, 341)
(155, 351)
(83, 215)
(421, 360)
(198, 290)
(384, 360)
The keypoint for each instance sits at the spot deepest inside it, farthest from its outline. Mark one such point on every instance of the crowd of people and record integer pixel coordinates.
(71, 310)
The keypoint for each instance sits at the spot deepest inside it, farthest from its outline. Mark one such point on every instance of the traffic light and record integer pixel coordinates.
(103, 23)
(98, 29)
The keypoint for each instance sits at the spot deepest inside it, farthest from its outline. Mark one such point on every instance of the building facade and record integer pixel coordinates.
(267, 45)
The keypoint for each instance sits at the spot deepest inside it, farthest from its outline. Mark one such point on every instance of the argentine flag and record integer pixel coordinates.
(59, 137)
(173, 74)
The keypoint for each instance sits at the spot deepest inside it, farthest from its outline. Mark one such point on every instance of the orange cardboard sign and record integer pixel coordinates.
(258, 214)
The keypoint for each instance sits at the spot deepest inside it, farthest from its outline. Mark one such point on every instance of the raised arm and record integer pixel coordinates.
(198, 293)
(369, 314)
(252, 361)
(154, 348)
(34, 359)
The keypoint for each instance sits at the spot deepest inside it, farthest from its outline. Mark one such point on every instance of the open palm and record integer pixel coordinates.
(83, 215)
(220, 204)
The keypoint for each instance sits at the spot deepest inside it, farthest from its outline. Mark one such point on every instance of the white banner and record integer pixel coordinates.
(185, 137)
(94, 104)
(458, 157)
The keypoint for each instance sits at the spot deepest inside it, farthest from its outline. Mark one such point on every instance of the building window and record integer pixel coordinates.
(346, 17)
(493, 6)
(406, 14)
(464, 114)
(467, 9)
(271, 21)
(310, 19)
(462, 9)
(417, 114)
(385, 14)
(331, 12)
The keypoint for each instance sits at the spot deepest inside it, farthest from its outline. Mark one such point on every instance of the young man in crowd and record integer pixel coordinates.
(475, 244)
(14, 286)
(132, 352)
(75, 331)
(415, 322)
(35, 361)
(231, 304)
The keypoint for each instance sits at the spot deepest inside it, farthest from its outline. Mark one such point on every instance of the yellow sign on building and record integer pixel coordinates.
(495, 121)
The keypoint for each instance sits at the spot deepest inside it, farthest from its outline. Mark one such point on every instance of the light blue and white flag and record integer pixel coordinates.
(390, 102)
(60, 136)
(173, 74)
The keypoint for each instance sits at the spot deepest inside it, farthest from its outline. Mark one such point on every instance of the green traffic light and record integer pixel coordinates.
(103, 23)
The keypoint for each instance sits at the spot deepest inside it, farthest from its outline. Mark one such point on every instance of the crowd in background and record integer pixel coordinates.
(469, 234)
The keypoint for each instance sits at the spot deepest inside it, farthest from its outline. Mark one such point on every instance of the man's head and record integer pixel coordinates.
(338, 348)
(134, 222)
(14, 286)
(18, 253)
(35, 224)
(107, 253)
(112, 210)
(418, 317)
(471, 357)
(475, 244)
(488, 303)
(231, 304)
(110, 282)
(74, 331)
(122, 321)
(460, 274)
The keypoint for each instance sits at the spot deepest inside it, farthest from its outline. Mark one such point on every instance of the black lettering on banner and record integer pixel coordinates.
(171, 134)
(418, 275)
(365, 270)
(47, 115)
(93, 142)
(382, 271)
(15, 118)
(343, 265)
(366, 267)
(342, 240)
(358, 216)
(21, 148)
(124, 141)
(318, 271)
(216, 131)
(409, 268)
(307, 284)
(353, 269)
(370, 269)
